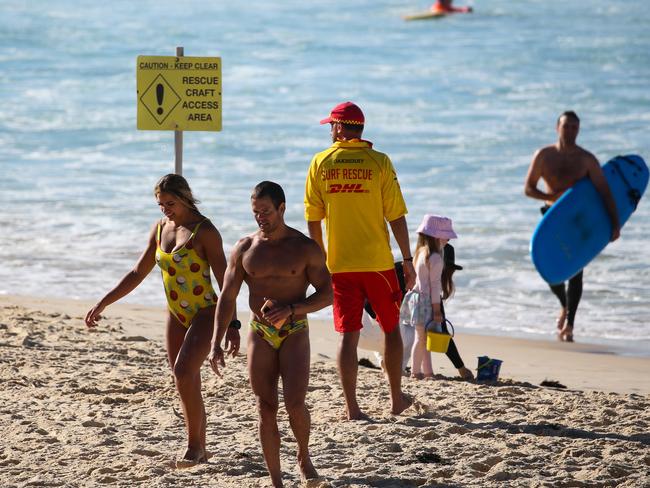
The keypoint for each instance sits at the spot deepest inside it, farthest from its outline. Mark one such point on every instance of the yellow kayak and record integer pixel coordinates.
(425, 16)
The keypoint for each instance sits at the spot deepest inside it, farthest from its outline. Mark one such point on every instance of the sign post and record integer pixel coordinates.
(178, 134)
(179, 93)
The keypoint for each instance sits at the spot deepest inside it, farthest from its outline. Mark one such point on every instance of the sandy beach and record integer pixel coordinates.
(90, 408)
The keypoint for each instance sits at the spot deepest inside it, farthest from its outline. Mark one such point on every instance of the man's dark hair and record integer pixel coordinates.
(569, 114)
(271, 190)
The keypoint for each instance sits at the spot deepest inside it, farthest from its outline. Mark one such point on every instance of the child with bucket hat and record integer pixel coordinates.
(422, 306)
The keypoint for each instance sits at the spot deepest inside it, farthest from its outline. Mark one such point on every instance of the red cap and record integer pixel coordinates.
(345, 113)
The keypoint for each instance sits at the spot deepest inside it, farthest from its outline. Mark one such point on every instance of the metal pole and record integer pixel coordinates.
(178, 134)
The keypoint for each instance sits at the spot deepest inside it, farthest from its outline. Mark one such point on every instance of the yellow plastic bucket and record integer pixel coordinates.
(438, 342)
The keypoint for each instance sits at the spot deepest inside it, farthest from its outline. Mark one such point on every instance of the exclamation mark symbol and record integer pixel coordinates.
(160, 93)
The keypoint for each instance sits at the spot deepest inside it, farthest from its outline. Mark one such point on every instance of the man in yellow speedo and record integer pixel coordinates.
(278, 264)
(355, 189)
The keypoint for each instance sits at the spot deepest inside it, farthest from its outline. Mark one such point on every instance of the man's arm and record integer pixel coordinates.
(318, 276)
(401, 233)
(533, 177)
(233, 278)
(213, 248)
(597, 177)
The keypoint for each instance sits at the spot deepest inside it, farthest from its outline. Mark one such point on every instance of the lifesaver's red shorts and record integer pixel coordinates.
(351, 289)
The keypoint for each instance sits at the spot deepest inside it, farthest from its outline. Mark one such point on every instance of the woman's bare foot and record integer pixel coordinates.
(417, 376)
(465, 373)
(428, 376)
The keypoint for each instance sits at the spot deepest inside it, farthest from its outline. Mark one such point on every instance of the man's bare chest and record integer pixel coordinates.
(269, 261)
(563, 171)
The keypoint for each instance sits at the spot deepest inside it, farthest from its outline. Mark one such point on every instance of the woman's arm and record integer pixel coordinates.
(129, 282)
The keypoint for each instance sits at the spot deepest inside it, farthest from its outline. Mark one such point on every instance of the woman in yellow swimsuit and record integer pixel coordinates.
(186, 246)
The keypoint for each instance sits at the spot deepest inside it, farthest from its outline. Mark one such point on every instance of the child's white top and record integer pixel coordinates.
(428, 273)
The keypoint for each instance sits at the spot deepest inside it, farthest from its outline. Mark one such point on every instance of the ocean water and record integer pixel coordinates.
(460, 104)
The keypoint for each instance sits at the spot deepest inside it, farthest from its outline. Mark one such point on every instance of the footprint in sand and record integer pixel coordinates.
(146, 452)
(319, 482)
(92, 423)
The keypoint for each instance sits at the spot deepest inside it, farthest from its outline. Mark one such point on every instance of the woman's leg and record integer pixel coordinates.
(187, 350)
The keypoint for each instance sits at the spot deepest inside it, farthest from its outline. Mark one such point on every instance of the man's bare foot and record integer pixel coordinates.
(307, 470)
(561, 322)
(566, 334)
(402, 403)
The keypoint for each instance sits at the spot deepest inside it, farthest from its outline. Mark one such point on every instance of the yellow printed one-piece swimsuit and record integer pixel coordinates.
(186, 278)
(275, 337)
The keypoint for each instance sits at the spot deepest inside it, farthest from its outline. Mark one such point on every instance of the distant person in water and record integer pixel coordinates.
(561, 165)
(446, 7)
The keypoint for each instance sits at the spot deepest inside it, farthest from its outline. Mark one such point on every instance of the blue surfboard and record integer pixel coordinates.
(577, 227)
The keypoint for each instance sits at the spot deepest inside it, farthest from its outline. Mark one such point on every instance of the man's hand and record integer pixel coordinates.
(275, 313)
(616, 233)
(216, 359)
(409, 275)
(232, 341)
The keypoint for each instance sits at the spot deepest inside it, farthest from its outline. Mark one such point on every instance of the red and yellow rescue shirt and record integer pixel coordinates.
(355, 189)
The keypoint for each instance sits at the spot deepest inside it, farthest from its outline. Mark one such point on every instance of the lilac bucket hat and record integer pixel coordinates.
(437, 226)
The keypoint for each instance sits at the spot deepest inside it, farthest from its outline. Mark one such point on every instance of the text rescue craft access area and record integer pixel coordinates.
(179, 93)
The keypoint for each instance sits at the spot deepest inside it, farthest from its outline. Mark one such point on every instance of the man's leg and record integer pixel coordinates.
(294, 370)
(560, 292)
(384, 294)
(348, 366)
(348, 310)
(263, 371)
(393, 357)
(574, 293)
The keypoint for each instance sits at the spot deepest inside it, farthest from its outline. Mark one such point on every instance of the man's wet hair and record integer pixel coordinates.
(271, 190)
(569, 114)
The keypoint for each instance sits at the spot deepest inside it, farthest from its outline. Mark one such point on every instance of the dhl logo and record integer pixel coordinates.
(347, 188)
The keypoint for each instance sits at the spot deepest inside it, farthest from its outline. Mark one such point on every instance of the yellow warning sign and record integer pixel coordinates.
(179, 93)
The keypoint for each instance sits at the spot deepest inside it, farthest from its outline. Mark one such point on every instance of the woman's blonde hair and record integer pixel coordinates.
(176, 185)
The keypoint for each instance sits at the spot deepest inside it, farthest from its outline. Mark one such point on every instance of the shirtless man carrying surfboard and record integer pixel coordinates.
(561, 165)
